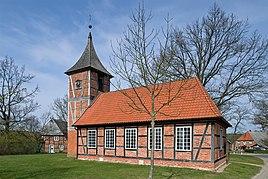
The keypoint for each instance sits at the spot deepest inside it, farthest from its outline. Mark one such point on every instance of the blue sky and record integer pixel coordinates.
(48, 36)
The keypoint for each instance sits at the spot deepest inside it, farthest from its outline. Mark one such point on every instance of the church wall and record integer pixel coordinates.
(200, 155)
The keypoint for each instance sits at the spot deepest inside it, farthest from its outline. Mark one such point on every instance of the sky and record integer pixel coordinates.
(49, 36)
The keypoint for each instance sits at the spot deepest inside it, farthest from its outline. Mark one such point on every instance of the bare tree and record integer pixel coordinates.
(138, 52)
(31, 124)
(16, 101)
(60, 108)
(261, 114)
(229, 61)
(239, 114)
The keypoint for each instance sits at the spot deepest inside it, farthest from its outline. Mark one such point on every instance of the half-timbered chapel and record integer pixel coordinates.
(102, 127)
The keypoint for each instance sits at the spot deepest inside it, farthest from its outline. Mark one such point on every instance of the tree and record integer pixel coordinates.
(238, 114)
(138, 52)
(31, 124)
(261, 114)
(16, 101)
(229, 61)
(60, 108)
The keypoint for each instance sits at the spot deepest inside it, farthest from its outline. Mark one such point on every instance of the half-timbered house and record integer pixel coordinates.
(55, 136)
(102, 126)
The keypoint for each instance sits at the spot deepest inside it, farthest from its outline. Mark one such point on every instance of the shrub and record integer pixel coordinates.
(19, 142)
(250, 150)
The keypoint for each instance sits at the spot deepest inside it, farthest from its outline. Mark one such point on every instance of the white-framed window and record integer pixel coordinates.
(91, 138)
(56, 138)
(157, 138)
(238, 142)
(183, 138)
(61, 147)
(250, 142)
(221, 139)
(130, 138)
(110, 138)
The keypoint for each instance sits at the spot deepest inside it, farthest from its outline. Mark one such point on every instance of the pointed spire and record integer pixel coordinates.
(90, 36)
(88, 59)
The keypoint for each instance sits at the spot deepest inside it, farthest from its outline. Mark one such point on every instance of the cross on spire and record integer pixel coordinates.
(90, 27)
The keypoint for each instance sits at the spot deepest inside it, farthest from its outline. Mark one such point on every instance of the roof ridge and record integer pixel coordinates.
(174, 81)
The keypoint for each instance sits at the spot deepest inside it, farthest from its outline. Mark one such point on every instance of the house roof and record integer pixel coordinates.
(55, 127)
(88, 60)
(259, 138)
(193, 102)
(62, 126)
(245, 137)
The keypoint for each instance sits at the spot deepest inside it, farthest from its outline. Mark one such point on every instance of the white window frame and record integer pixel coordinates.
(135, 138)
(95, 139)
(250, 142)
(105, 139)
(161, 138)
(56, 138)
(176, 138)
(61, 147)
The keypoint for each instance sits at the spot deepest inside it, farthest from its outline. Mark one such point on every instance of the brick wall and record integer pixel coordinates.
(50, 140)
(201, 155)
(247, 144)
(219, 152)
(80, 99)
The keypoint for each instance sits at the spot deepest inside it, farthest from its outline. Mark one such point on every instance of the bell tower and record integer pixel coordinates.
(87, 78)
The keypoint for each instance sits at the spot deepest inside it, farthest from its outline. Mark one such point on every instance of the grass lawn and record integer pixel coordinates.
(59, 166)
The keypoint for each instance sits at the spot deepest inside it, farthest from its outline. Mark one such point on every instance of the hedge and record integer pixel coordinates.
(19, 142)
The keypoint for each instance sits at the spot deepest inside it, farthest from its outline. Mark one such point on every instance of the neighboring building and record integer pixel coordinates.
(103, 127)
(55, 136)
(232, 138)
(252, 140)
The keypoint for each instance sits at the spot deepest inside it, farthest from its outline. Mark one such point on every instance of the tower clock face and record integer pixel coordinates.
(78, 84)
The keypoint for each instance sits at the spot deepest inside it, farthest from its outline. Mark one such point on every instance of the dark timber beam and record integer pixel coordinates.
(202, 140)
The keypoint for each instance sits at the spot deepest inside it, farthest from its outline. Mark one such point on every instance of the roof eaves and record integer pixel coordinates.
(147, 120)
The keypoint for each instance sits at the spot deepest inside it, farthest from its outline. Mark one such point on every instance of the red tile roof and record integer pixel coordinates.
(193, 102)
(245, 137)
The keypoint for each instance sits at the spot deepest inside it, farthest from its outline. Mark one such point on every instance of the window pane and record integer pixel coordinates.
(183, 138)
(158, 138)
(92, 138)
(130, 138)
(109, 138)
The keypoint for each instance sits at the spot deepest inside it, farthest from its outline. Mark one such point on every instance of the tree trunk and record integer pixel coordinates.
(152, 151)
(153, 138)
(7, 125)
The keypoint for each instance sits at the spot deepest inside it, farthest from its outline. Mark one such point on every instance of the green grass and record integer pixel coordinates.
(58, 166)
(246, 159)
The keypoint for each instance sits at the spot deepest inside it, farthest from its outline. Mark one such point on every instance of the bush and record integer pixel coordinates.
(19, 142)
(250, 150)
(261, 152)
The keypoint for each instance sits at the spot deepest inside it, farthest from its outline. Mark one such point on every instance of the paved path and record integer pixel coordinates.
(264, 172)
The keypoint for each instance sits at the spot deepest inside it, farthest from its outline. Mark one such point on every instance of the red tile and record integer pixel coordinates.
(113, 107)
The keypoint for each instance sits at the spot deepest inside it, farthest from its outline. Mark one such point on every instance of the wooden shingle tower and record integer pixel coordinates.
(87, 78)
